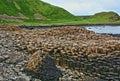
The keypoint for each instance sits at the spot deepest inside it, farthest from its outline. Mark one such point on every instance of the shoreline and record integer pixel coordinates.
(114, 35)
(50, 26)
(46, 27)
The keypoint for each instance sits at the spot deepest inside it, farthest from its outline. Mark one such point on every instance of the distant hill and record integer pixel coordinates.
(105, 16)
(18, 10)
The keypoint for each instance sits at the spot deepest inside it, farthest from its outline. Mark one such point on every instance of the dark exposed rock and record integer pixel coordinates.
(43, 67)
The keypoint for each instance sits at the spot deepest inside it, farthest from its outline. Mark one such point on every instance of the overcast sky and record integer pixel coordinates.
(87, 7)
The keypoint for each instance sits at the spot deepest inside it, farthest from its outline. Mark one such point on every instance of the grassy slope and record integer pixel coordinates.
(53, 15)
(105, 17)
(31, 7)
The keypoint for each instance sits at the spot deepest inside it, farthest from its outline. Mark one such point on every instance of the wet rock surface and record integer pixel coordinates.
(80, 55)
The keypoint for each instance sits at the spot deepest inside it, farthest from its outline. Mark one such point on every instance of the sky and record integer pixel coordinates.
(87, 7)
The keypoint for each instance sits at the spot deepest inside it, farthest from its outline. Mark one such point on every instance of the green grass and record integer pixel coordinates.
(31, 7)
(58, 22)
(105, 17)
(50, 14)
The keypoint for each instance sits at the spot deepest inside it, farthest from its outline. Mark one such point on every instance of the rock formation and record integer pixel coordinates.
(74, 48)
(44, 67)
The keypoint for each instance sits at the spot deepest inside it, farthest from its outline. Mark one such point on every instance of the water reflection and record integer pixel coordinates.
(104, 29)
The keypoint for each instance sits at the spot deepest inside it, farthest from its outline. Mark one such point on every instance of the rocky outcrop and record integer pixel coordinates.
(13, 18)
(73, 48)
(9, 28)
(44, 67)
(39, 17)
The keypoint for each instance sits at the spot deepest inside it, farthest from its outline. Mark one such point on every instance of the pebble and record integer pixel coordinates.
(1, 58)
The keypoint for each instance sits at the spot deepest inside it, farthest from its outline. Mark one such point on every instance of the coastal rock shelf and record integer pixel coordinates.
(74, 48)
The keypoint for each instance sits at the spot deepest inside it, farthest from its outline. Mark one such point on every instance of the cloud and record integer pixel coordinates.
(87, 7)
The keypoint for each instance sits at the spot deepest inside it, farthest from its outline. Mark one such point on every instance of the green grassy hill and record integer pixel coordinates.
(37, 12)
(105, 17)
(31, 10)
